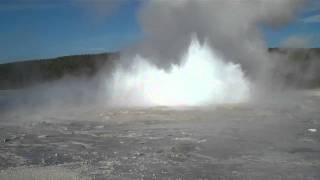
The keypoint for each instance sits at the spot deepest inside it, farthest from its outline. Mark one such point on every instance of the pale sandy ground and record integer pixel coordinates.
(41, 173)
(277, 140)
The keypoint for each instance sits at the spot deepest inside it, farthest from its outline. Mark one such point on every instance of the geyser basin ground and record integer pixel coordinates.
(269, 141)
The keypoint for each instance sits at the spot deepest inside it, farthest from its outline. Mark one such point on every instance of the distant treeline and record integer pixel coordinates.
(297, 67)
(294, 67)
(297, 54)
(22, 74)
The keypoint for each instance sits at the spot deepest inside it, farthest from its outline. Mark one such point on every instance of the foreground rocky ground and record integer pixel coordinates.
(266, 141)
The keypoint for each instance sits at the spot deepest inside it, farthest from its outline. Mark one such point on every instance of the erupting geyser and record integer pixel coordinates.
(229, 28)
(203, 78)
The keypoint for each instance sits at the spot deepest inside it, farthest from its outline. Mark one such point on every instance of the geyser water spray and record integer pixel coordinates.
(202, 78)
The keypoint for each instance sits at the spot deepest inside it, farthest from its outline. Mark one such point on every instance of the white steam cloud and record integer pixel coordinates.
(171, 68)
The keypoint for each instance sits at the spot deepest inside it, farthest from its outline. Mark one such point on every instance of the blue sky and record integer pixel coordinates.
(306, 25)
(38, 29)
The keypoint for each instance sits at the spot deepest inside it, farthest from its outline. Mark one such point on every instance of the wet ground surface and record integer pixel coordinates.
(224, 142)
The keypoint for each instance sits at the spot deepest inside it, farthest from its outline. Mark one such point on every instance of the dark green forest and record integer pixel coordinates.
(23, 74)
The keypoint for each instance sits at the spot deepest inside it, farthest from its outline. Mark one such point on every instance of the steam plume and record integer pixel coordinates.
(230, 28)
